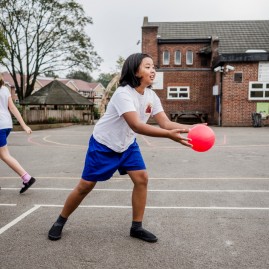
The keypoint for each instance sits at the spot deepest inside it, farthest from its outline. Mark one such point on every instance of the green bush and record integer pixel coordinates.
(74, 119)
(52, 120)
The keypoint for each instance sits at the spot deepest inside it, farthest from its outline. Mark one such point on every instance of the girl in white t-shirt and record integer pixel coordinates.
(113, 144)
(6, 125)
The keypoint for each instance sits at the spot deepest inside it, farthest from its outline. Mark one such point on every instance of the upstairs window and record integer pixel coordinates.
(178, 92)
(166, 57)
(258, 91)
(189, 57)
(177, 57)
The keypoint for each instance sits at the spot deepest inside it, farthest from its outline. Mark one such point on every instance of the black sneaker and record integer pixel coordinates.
(27, 185)
(55, 231)
(143, 234)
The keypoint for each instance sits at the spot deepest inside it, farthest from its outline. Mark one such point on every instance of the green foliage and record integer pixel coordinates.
(3, 46)
(96, 113)
(105, 78)
(120, 63)
(44, 36)
(52, 120)
(51, 74)
(85, 76)
(74, 119)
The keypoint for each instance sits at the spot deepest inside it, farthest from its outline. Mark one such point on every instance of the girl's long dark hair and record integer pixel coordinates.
(129, 69)
(1, 81)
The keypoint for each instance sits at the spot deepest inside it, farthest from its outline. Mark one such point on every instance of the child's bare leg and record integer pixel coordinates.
(72, 202)
(11, 161)
(139, 198)
(28, 180)
(76, 196)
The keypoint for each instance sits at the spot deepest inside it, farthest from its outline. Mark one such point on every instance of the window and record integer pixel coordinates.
(177, 57)
(258, 91)
(189, 57)
(178, 92)
(166, 57)
(238, 77)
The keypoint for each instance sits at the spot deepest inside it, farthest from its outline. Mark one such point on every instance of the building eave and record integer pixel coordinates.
(184, 41)
(241, 57)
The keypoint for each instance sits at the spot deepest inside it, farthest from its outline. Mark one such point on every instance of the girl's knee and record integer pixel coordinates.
(84, 187)
(141, 178)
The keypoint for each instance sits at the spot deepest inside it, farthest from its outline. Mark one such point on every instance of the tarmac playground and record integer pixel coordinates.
(209, 210)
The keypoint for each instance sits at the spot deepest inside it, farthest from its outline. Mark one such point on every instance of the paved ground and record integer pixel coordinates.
(209, 210)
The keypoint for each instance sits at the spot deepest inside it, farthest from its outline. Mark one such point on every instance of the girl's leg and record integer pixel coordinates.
(139, 198)
(5, 156)
(72, 202)
(76, 196)
(11, 162)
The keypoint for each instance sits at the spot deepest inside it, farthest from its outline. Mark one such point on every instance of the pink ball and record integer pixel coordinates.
(202, 137)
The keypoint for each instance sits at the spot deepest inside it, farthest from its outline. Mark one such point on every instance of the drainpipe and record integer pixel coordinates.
(220, 99)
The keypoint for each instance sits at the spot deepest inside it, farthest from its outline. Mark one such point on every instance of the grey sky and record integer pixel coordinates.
(117, 23)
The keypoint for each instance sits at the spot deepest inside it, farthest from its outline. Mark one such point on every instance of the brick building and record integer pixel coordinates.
(218, 68)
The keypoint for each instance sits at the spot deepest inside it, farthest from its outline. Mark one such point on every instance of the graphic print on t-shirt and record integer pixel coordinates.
(148, 108)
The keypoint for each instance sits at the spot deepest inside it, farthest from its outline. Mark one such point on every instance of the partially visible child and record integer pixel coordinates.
(6, 125)
(113, 145)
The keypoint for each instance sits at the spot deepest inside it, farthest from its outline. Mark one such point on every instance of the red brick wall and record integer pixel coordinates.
(201, 98)
(149, 42)
(236, 108)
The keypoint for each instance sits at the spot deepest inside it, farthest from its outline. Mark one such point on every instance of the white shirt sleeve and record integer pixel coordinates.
(157, 106)
(123, 102)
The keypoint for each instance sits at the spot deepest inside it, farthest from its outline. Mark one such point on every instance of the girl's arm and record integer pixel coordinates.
(165, 123)
(139, 127)
(13, 109)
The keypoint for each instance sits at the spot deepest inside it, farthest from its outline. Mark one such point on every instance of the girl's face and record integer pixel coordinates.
(146, 72)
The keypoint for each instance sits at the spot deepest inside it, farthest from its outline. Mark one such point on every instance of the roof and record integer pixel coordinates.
(80, 85)
(56, 93)
(234, 36)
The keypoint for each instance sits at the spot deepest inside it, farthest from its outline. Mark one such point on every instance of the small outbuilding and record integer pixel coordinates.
(56, 102)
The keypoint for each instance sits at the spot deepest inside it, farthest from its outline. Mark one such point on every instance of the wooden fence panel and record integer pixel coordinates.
(53, 116)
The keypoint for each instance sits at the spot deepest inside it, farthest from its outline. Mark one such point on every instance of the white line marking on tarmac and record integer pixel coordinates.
(165, 207)
(130, 190)
(8, 204)
(18, 219)
(155, 178)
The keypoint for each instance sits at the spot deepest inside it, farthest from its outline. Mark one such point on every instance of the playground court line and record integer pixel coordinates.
(150, 178)
(152, 190)
(38, 206)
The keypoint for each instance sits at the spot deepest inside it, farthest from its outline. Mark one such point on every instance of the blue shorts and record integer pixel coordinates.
(102, 162)
(3, 136)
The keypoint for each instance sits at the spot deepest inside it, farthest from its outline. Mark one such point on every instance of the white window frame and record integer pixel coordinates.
(166, 58)
(177, 54)
(264, 88)
(189, 57)
(178, 91)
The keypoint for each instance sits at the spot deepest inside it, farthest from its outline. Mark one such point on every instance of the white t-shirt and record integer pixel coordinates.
(112, 130)
(5, 116)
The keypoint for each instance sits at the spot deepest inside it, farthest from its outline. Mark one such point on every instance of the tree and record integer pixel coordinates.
(51, 74)
(105, 78)
(44, 35)
(3, 46)
(120, 63)
(80, 75)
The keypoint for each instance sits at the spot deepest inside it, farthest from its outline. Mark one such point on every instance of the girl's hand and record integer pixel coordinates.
(175, 135)
(27, 129)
